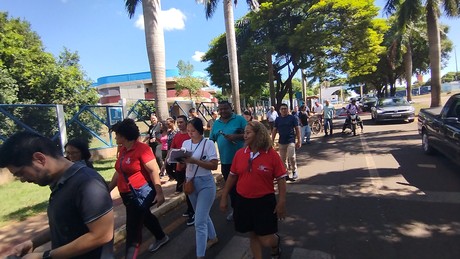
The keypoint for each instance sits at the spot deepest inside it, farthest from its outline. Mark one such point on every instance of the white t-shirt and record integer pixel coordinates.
(318, 109)
(209, 153)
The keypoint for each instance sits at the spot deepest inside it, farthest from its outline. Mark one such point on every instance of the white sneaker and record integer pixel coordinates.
(294, 175)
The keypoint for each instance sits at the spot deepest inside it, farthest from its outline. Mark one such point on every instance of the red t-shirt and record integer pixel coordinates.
(266, 166)
(177, 141)
(133, 162)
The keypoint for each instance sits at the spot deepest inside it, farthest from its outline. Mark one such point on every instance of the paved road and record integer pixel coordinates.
(375, 195)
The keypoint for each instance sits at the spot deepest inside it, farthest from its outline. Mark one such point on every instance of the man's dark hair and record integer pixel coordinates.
(226, 103)
(182, 117)
(192, 110)
(197, 124)
(283, 104)
(20, 147)
(127, 128)
(82, 146)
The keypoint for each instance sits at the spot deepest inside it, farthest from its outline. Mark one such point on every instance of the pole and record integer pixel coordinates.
(456, 66)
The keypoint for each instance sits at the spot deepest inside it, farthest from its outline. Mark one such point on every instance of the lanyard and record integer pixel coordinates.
(252, 156)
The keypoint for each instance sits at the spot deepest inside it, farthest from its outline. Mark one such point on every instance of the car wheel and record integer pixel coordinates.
(411, 120)
(427, 148)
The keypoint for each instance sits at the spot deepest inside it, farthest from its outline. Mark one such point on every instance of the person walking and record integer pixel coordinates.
(199, 166)
(151, 138)
(77, 150)
(181, 136)
(328, 114)
(271, 117)
(80, 209)
(288, 128)
(227, 132)
(167, 133)
(136, 175)
(254, 170)
(305, 130)
(247, 115)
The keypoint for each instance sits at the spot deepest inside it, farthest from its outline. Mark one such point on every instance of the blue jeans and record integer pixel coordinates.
(328, 125)
(202, 199)
(305, 132)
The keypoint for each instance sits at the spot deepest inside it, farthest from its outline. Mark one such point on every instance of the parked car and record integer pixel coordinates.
(393, 109)
(440, 129)
(367, 103)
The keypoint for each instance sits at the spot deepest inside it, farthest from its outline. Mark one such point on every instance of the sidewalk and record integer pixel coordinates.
(19, 232)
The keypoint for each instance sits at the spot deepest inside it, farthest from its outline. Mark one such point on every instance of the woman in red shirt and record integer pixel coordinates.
(137, 169)
(256, 210)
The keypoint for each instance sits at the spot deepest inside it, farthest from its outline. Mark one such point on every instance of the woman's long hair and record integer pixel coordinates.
(262, 136)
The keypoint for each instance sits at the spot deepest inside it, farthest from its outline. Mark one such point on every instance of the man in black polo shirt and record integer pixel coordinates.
(80, 208)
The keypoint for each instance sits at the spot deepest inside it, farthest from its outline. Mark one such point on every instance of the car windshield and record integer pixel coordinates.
(393, 102)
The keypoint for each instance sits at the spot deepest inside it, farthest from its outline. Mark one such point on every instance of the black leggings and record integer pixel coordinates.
(135, 219)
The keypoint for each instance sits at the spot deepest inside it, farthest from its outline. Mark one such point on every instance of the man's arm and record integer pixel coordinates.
(99, 233)
(298, 143)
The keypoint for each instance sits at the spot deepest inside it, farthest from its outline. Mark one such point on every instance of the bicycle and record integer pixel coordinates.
(315, 125)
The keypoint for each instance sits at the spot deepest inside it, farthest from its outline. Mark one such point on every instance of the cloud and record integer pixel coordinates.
(172, 19)
(198, 56)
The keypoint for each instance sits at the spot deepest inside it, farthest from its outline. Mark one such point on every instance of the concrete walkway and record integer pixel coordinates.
(19, 232)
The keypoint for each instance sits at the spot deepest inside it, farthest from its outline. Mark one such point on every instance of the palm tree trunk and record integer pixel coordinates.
(408, 70)
(154, 38)
(232, 56)
(432, 21)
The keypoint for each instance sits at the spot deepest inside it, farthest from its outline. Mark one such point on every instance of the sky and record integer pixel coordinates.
(110, 43)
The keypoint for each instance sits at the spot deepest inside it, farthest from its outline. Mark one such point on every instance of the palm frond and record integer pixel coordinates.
(130, 6)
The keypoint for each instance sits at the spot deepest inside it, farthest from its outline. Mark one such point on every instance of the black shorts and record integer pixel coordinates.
(256, 215)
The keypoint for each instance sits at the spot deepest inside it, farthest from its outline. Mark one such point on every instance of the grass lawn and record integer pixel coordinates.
(22, 200)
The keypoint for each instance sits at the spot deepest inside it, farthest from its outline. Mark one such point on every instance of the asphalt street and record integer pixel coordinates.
(375, 195)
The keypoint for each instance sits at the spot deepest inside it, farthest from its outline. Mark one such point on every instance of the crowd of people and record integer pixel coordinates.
(248, 162)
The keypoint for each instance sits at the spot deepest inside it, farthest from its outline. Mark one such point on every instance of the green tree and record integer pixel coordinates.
(186, 81)
(154, 38)
(211, 6)
(410, 10)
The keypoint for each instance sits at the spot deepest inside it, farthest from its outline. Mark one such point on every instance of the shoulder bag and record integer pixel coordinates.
(188, 185)
(142, 198)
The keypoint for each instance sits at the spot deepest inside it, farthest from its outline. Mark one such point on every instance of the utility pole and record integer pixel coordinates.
(456, 66)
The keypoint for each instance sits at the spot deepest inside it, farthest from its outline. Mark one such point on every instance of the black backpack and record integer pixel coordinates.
(303, 117)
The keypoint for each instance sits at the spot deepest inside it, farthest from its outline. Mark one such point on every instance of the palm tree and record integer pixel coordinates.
(211, 6)
(154, 38)
(409, 12)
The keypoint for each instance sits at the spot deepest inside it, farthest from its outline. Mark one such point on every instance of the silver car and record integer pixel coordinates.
(393, 109)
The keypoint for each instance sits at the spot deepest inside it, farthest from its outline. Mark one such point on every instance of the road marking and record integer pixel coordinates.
(301, 253)
(374, 173)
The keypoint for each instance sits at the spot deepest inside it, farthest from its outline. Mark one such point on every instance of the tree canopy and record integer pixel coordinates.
(30, 75)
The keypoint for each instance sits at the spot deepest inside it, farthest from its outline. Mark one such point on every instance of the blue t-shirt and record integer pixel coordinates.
(227, 149)
(286, 128)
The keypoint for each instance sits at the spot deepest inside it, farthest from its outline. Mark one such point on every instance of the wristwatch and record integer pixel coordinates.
(47, 254)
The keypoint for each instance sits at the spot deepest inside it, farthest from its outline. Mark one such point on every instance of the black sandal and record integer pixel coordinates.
(276, 251)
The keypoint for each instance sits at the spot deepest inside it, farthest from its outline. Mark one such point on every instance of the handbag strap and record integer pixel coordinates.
(202, 152)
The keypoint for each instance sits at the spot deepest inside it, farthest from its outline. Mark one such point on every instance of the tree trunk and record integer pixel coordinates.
(232, 56)
(408, 70)
(155, 42)
(432, 21)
